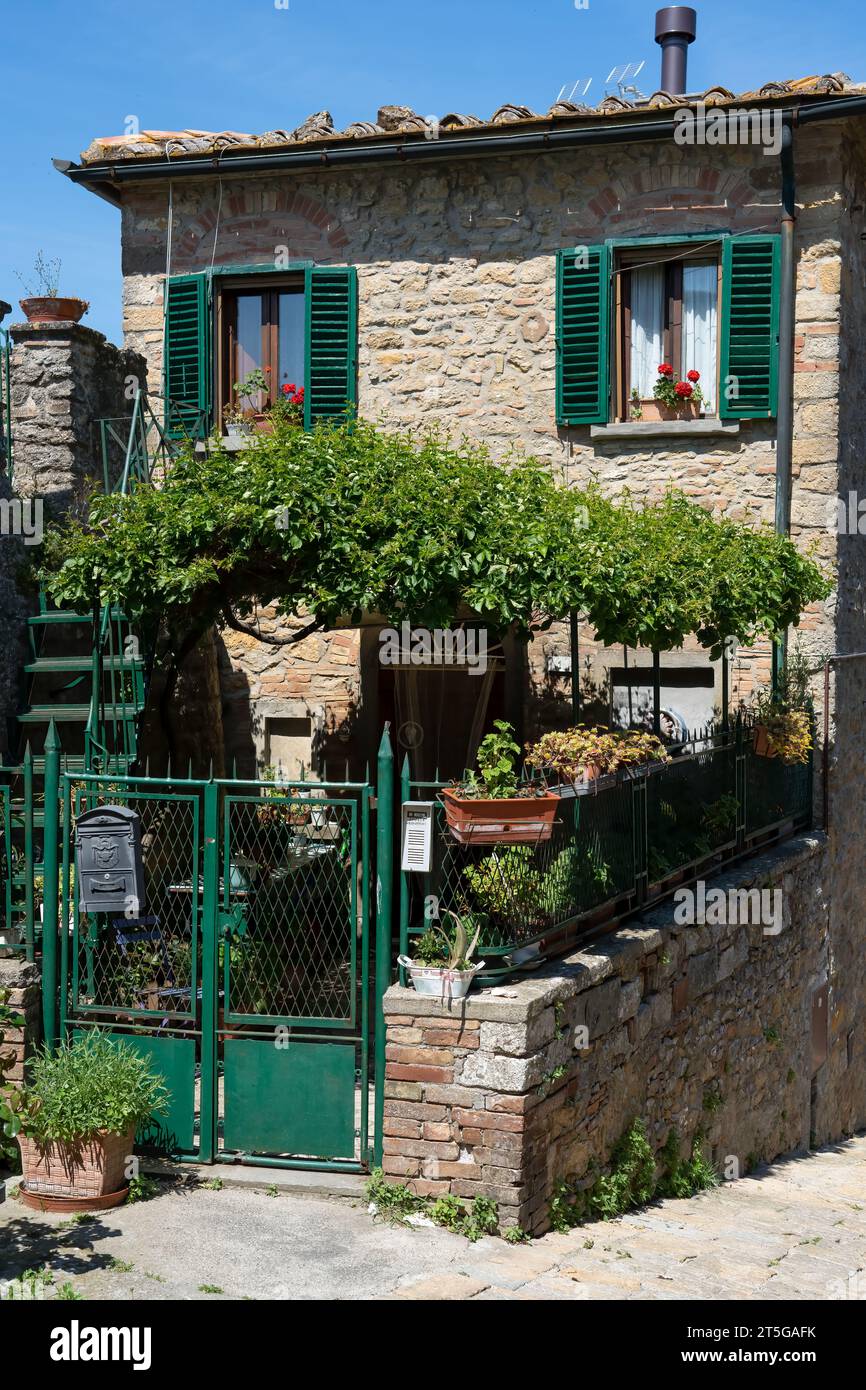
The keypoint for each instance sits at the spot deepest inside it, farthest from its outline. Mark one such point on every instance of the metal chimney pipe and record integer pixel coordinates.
(676, 26)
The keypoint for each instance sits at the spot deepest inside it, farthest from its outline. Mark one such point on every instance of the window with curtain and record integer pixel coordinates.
(667, 312)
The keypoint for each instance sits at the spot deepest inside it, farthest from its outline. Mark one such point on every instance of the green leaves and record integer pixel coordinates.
(88, 1085)
(348, 520)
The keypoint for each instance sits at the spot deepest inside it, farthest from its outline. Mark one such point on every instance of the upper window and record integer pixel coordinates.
(668, 311)
(708, 305)
(298, 328)
(261, 328)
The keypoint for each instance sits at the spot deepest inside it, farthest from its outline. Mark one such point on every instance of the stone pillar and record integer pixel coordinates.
(65, 378)
(22, 981)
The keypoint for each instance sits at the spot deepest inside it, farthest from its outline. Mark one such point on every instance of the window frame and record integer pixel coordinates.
(229, 281)
(630, 252)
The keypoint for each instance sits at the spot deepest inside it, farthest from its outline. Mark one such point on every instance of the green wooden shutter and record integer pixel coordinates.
(187, 366)
(332, 343)
(750, 327)
(582, 335)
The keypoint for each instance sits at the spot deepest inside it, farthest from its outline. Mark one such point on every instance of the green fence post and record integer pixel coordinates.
(384, 899)
(208, 929)
(51, 885)
(29, 929)
(405, 795)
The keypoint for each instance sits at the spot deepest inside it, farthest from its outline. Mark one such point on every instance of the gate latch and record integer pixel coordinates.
(234, 923)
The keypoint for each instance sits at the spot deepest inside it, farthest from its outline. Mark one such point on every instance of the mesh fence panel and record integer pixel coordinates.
(290, 866)
(147, 962)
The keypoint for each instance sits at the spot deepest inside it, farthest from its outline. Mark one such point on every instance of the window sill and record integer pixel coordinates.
(665, 429)
(230, 443)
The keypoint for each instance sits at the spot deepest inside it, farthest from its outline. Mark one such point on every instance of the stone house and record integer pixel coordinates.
(515, 279)
(519, 280)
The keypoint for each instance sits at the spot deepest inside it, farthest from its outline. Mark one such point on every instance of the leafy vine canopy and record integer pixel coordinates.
(354, 520)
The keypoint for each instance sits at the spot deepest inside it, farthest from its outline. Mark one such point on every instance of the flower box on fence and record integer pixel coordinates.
(506, 820)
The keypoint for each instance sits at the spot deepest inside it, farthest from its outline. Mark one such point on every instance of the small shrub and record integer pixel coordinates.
(88, 1085)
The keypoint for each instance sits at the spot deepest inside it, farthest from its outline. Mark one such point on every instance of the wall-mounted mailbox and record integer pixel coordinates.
(108, 861)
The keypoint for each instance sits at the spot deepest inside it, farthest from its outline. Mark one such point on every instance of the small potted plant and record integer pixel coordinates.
(77, 1117)
(43, 303)
(782, 719)
(288, 408)
(582, 755)
(242, 419)
(780, 732)
(673, 399)
(442, 961)
(493, 806)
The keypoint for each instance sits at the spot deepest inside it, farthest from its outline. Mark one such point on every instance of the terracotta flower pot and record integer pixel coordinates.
(509, 820)
(763, 744)
(53, 309)
(89, 1168)
(654, 410)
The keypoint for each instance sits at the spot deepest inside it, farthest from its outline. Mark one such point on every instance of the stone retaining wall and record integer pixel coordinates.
(707, 1029)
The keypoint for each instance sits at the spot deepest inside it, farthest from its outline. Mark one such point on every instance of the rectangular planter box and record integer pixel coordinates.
(512, 820)
(92, 1168)
(653, 411)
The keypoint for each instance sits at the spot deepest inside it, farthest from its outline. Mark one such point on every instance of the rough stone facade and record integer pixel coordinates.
(456, 326)
(752, 1039)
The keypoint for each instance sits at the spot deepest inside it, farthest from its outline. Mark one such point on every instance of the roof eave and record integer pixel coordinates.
(539, 136)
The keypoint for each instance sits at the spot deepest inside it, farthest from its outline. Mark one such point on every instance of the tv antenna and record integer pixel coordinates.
(625, 78)
(571, 95)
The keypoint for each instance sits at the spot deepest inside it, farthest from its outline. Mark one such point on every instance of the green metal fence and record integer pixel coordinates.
(623, 844)
(245, 973)
(20, 817)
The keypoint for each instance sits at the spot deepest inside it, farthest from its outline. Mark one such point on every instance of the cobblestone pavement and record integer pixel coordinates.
(795, 1230)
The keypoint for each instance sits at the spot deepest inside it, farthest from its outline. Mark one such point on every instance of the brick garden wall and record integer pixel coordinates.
(688, 1027)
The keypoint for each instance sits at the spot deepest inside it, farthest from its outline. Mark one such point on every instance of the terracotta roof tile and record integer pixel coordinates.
(402, 120)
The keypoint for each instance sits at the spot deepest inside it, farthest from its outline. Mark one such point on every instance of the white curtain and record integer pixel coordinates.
(647, 327)
(700, 292)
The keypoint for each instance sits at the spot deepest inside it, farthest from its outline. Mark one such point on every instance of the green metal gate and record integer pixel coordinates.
(244, 974)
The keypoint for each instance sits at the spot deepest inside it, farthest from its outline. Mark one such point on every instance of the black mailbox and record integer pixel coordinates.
(108, 860)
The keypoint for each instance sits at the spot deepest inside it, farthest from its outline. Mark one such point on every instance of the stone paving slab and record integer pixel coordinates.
(796, 1230)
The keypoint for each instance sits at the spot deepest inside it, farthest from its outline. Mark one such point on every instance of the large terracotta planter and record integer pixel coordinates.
(654, 411)
(90, 1168)
(53, 309)
(510, 820)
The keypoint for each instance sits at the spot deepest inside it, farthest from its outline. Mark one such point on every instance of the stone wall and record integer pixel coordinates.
(25, 995)
(456, 269)
(702, 1029)
(65, 378)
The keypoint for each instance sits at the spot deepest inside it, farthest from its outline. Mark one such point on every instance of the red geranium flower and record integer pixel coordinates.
(666, 369)
(683, 390)
(693, 375)
(286, 388)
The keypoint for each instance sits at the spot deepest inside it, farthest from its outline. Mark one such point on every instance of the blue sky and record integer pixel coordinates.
(73, 71)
